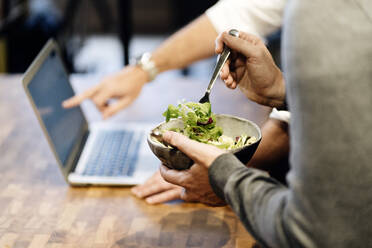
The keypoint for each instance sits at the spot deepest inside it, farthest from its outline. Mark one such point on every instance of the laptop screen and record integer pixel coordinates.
(48, 88)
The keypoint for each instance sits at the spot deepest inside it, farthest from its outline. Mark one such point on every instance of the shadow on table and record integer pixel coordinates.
(200, 228)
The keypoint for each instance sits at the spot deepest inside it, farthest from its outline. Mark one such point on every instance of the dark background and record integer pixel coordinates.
(25, 25)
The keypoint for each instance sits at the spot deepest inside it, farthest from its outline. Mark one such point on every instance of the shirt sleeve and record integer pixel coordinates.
(281, 115)
(259, 200)
(258, 17)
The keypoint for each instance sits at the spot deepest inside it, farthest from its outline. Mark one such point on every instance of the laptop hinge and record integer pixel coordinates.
(79, 151)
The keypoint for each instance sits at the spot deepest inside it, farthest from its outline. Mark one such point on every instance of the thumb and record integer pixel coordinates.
(200, 153)
(246, 44)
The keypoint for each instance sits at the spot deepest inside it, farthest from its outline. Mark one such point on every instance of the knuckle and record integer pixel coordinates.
(163, 173)
(257, 53)
(172, 138)
(166, 178)
(175, 138)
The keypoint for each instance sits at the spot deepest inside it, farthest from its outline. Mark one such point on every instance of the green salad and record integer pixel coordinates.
(200, 125)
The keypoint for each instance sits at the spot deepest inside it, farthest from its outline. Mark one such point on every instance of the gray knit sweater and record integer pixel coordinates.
(327, 58)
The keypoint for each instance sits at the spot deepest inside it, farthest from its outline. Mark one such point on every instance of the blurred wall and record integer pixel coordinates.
(67, 19)
(148, 17)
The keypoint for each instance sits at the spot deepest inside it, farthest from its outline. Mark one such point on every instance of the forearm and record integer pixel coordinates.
(254, 196)
(192, 43)
(258, 200)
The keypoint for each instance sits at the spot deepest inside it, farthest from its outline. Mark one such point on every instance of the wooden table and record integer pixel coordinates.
(38, 209)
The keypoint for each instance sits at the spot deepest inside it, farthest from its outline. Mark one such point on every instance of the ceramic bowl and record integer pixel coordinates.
(232, 126)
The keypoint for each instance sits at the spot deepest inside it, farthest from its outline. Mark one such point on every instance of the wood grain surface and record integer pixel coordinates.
(38, 209)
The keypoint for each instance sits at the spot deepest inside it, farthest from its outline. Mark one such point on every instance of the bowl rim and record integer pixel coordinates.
(258, 139)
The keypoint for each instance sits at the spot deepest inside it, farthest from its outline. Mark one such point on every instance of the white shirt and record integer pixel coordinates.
(258, 17)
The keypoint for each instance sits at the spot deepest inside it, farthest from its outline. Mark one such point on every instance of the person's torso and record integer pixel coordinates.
(327, 58)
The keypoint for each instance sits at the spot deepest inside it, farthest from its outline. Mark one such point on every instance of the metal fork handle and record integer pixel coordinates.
(221, 60)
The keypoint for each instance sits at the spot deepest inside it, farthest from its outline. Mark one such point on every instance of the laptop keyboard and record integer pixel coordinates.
(115, 153)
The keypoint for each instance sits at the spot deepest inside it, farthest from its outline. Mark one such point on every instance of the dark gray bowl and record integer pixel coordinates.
(232, 126)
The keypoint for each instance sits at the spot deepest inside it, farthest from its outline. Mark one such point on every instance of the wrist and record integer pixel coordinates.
(147, 65)
(278, 99)
(282, 103)
(134, 73)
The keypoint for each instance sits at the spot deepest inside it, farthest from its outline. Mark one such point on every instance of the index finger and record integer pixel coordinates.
(76, 100)
(245, 44)
(219, 45)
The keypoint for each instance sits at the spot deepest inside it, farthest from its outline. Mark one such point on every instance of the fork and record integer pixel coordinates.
(220, 62)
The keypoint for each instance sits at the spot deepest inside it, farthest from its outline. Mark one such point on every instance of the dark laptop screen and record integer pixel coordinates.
(48, 88)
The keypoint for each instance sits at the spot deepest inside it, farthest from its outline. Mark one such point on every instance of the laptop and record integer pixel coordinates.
(97, 154)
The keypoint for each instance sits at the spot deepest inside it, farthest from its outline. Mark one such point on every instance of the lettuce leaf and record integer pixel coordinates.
(198, 119)
(200, 125)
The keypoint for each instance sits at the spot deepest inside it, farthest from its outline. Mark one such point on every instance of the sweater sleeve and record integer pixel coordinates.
(259, 200)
